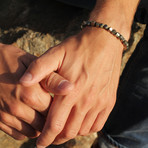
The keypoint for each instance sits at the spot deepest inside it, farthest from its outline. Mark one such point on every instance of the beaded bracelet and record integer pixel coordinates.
(109, 29)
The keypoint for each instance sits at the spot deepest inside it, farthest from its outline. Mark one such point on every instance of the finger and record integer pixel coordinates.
(26, 114)
(19, 125)
(72, 126)
(88, 122)
(11, 132)
(27, 59)
(56, 119)
(100, 121)
(36, 98)
(43, 66)
(56, 84)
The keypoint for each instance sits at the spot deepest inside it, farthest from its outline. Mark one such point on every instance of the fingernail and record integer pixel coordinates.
(39, 146)
(64, 84)
(26, 77)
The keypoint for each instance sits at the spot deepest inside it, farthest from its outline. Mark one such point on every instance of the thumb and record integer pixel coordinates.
(43, 66)
(56, 84)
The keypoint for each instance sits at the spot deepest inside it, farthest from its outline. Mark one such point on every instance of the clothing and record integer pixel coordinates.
(88, 4)
(142, 12)
(127, 125)
(128, 122)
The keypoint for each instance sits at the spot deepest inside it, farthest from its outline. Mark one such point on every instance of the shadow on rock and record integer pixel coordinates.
(31, 144)
(40, 16)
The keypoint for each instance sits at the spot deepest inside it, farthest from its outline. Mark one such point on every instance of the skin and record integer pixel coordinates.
(22, 109)
(19, 104)
(91, 61)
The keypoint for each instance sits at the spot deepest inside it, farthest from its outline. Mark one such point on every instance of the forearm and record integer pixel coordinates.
(117, 13)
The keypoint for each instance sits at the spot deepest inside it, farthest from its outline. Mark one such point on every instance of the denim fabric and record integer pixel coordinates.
(142, 13)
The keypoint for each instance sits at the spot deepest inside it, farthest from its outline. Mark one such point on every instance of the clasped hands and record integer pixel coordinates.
(81, 72)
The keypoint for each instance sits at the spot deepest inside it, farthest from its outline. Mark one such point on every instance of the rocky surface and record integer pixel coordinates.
(80, 142)
(35, 26)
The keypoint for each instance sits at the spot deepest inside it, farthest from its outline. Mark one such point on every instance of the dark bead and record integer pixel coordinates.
(105, 27)
(121, 37)
(93, 23)
(89, 23)
(97, 24)
(123, 40)
(101, 25)
(114, 32)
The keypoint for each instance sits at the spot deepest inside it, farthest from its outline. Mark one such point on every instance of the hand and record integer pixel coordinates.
(91, 61)
(19, 104)
(18, 117)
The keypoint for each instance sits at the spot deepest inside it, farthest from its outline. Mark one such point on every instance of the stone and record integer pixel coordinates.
(35, 43)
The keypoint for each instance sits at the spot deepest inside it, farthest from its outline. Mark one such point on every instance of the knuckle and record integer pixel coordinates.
(84, 132)
(114, 95)
(67, 104)
(1, 128)
(49, 82)
(27, 98)
(87, 103)
(18, 137)
(36, 62)
(102, 101)
(57, 143)
(57, 127)
(15, 110)
(93, 130)
(70, 134)
(110, 106)
(97, 129)
(3, 117)
(113, 100)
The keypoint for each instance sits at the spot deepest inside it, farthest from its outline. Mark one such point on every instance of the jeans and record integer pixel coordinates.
(127, 125)
(88, 4)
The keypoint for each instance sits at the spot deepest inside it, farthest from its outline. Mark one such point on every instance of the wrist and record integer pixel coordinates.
(99, 40)
(108, 29)
(115, 13)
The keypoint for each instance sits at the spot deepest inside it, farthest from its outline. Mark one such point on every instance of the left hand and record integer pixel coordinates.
(22, 109)
(19, 105)
(91, 61)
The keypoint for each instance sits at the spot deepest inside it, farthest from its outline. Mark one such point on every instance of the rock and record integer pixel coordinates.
(13, 10)
(35, 43)
(136, 35)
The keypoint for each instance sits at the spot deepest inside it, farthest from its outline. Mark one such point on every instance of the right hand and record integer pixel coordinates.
(19, 105)
(93, 66)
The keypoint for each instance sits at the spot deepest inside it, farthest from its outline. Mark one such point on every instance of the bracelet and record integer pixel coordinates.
(109, 29)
